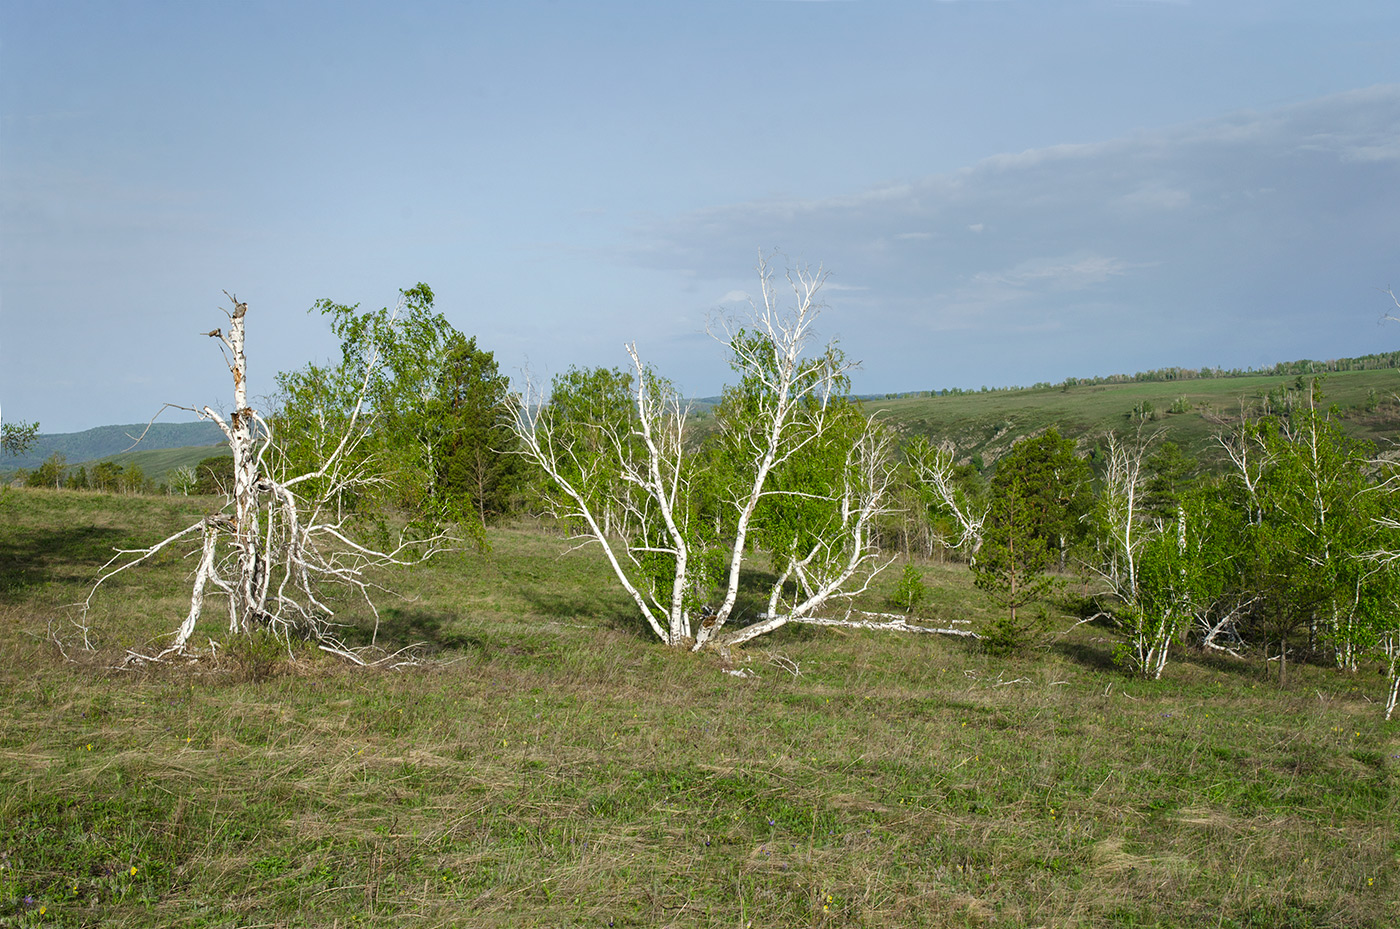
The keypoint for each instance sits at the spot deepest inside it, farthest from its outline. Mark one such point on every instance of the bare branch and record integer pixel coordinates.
(268, 532)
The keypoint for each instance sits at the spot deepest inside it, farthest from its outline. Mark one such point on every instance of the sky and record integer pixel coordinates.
(1003, 193)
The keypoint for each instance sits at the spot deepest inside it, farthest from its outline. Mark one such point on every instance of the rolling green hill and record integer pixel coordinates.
(989, 423)
(157, 463)
(111, 442)
(1190, 412)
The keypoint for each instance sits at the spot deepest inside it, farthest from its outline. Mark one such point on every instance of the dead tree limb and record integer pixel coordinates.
(271, 551)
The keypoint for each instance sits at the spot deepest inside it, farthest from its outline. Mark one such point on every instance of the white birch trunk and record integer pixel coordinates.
(653, 473)
(271, 529)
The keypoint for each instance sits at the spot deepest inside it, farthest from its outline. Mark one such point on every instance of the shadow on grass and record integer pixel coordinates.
(1248, 668)
(399, 628)
(612, 607)
(1098, 657)
(34, 557)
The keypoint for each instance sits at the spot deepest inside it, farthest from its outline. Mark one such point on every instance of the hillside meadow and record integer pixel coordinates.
(1189, 412)
(542, 762)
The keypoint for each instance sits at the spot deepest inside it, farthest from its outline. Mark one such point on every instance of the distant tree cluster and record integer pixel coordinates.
(104, 476)
(210, 476)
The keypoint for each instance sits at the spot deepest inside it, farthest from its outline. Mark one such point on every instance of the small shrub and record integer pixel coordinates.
(1005, 635)
(258, 656)
(911, 592)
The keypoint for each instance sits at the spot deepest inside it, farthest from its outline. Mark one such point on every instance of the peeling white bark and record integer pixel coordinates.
(268, 532)
(653, 485)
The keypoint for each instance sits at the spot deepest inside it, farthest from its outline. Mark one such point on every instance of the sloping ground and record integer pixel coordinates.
(157, 464)
(107, 442)
(988, 424)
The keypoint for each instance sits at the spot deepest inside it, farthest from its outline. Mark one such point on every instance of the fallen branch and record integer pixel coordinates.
(895, 624)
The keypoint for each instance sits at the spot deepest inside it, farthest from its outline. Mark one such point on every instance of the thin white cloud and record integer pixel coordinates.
(1062, 273)
(1232, 227)
(1146, 194)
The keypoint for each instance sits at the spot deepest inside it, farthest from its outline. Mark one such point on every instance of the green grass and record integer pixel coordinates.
(113, 442)
(156, 464)
(990, 423)
(548, 765)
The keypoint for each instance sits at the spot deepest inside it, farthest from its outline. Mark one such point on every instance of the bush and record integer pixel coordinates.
(214, 475)
(911, 591)
(1006, 635)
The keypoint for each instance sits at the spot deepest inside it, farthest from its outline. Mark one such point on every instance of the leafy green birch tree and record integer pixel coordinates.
(795, 470)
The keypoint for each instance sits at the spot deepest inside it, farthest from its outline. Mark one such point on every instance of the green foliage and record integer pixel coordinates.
(134, 480)
(1143, 412)
(802, 506)
(1008, 635)
(1171, 471)
(423, 409)
(594, 415)
(1317, 516)
(582, 401)
(1039, 497)
(1173, 585)
(182, 480)
(911, 592)
(214, 475)
(262, 654)
(49, 474)
(477, 469)
(107, 477)
(790, 468)
(16, 438)
(1292, 552)
(931, 512)
(1011, 563)
(77, 479)
(1055, 485)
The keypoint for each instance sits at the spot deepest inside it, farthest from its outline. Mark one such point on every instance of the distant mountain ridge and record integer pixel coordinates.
(112, 440)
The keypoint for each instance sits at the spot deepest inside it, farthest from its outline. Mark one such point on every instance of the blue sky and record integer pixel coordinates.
(1004, 192)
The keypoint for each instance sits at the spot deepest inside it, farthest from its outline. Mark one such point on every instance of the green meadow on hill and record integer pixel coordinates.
(543, 762)
(1188, 412)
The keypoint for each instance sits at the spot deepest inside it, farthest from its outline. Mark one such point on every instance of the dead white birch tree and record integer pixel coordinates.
(1122, 531)
(935, 467)
(272, 550)
(1143, 562)
(795, 470)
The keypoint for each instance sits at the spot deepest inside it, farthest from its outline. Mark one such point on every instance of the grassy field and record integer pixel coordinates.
(548, 765)
(990, 423)
(157, 464)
